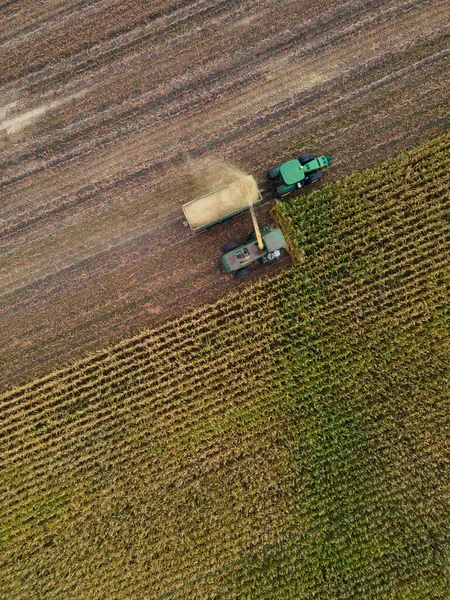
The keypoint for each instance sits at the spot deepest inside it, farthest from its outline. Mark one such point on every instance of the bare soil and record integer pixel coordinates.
(106, 105)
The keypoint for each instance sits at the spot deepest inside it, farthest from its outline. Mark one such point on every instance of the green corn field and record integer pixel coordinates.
(291, 441)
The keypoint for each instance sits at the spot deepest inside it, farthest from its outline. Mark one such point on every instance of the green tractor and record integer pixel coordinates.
(296, 173)
(265, 244)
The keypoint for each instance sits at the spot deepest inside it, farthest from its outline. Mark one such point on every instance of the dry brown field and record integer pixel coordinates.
(108, 108)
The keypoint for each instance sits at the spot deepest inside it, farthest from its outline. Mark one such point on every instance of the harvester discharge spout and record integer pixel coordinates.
(256, 228)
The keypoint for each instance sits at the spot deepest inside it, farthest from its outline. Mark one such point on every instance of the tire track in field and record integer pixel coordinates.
(117, 21)
(93, 192)
(32, 23)
(164, 99)
(281, 114)
(315, 93)
(258, 57)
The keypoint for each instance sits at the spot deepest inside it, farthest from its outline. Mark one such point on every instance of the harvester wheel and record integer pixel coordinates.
(231, 246)
(305, 158)
(313, 177)
(242, 273)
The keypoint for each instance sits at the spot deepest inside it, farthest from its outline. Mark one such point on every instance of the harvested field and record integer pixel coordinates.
(289, 442)
(105, 103)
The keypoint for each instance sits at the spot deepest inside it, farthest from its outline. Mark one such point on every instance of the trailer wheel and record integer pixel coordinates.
(231, 246)
(242, 273)
(305, 158)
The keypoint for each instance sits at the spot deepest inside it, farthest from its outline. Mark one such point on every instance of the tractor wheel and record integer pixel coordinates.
(242, 273)
(282, 191)
(313, 177)
(231, 246)
(273, 172)
(305, 158)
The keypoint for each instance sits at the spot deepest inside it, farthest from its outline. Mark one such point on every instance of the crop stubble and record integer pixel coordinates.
(92, 238)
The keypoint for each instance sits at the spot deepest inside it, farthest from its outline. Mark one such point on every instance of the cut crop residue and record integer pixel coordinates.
(21, 120)
(226, 189)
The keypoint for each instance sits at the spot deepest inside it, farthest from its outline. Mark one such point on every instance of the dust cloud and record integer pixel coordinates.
(234, 191)
(208, 174)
